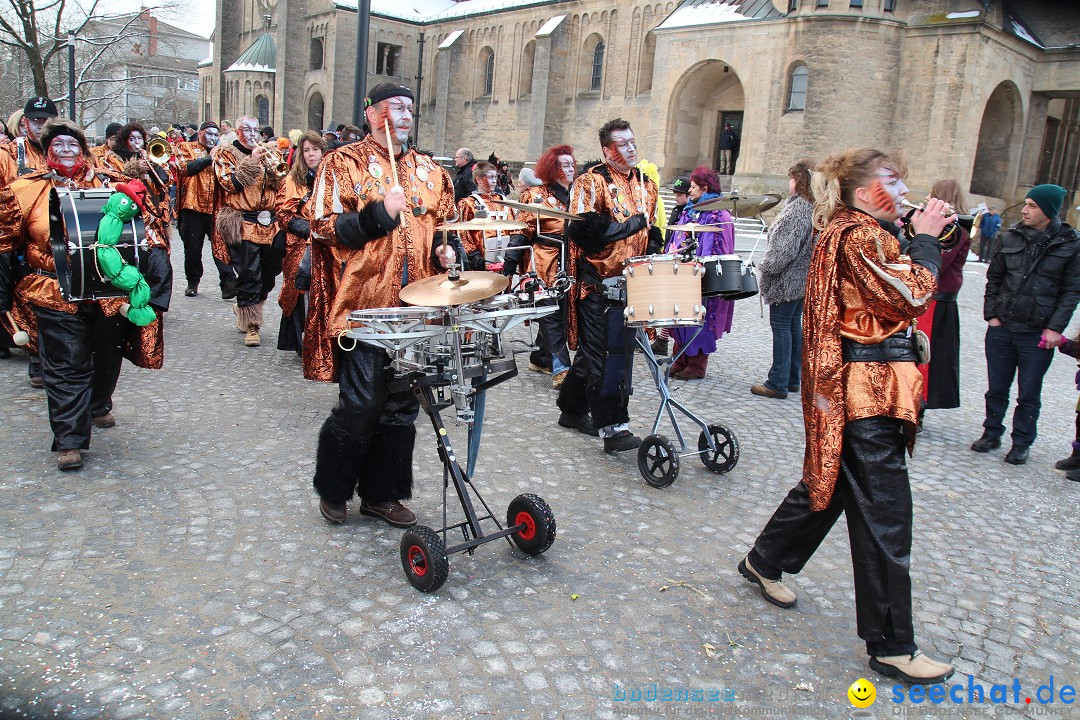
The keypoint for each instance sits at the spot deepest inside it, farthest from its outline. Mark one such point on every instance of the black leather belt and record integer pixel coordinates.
(895, 348)
(945, 296)
(262, 217)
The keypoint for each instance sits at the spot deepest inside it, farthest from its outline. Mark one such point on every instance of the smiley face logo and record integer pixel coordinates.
(862, 693)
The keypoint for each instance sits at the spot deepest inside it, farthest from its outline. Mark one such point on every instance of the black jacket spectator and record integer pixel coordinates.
(1033, 282)
(464, 184)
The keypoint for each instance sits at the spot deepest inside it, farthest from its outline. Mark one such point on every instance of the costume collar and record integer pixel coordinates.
(241, 147)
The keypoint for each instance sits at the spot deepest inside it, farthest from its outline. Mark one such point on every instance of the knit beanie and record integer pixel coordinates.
(1049, 199)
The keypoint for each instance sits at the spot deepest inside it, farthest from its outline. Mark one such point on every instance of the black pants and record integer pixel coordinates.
(366, 445)
(1008, 355)
(195, 227)
(551, 338)
(601, 366)
(80, 361)
(256, 268)
(291, 329)
(873, 489)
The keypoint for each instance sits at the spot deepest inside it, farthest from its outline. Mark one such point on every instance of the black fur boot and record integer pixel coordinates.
(387, 474)
(338, 461)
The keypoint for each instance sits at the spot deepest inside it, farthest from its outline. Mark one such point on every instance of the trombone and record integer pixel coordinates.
(159, 151)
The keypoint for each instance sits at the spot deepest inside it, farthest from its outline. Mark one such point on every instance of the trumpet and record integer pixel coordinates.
(159, 151)
(275, 164)
(949, 238)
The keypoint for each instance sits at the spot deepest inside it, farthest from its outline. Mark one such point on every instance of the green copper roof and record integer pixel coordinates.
(260, 57)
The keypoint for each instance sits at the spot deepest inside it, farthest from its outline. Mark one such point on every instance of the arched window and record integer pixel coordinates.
(489, 73)
(648, 59)
(263, 104)
(315, 111)
(797, 90)
(597, 66)
(528, 57)
(315, 54)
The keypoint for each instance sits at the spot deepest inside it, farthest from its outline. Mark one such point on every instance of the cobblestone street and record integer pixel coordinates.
(185, 572)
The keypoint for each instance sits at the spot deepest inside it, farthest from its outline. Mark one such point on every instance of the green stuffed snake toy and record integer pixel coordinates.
(121, 208)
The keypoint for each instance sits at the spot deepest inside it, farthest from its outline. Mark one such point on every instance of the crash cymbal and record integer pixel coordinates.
(539, 209)
(694, 227)
(482, 224)
(442, 290)
(741, 205)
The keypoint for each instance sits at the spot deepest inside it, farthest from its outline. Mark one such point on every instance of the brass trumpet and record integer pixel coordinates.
(159, 151)
(948, 238)
(275, 164)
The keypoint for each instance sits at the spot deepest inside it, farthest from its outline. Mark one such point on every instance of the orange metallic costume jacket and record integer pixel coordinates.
(293, 200)
(352, 181)
(33, 159)
(244, 186)
(194, 192)
(860, 287)
(546, 257)
(611, 193)
(159, 212)
(24, 228)
(473, 240)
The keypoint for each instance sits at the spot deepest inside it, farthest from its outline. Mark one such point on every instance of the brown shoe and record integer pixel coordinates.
(763, 391)
(37, 382)
(772, 590)
(69, 460)
(392, 512)
(539, 368)
(252, 338)
(559, 378)
(333, 512)
(104, 421)
(915, 669)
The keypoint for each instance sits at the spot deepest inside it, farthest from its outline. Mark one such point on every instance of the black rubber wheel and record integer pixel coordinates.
(658, 461)
(726, 455)
(532, 512)
(423, 557)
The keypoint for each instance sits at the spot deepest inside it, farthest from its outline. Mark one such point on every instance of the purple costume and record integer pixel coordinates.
(718, 313)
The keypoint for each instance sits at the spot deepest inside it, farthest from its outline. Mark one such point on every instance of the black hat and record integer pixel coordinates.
(681, 185)
(39, 107)
(62, 126)
(386, 90)
(207, 124)
(112, 128)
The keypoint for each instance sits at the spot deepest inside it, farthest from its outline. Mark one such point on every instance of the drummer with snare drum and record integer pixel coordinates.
(618, 208)
(374, 212)
(77, 340)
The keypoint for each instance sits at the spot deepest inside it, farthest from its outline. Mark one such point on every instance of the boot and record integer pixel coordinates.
(252, 338)
(192, 290)
(1070, 463)
(916, 669)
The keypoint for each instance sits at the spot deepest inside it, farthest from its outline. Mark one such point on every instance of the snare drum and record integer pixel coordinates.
(395, 329)
(723, 275)
(73, 221)
(663, 291)
(748, 284)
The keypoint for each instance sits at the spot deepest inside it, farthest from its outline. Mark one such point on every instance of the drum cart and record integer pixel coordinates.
(449, 356)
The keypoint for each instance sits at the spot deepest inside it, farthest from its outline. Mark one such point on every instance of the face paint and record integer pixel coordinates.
(621, 152)
(210, 137)
(65, 155)
(567, 168)
(398, 112)
(31, 128)
(486, 183)
(135, 141)
(248, 133)
(886, 191)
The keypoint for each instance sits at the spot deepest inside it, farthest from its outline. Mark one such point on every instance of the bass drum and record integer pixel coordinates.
(73, 221)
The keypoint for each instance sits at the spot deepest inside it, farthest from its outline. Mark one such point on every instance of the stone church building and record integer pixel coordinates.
(985, 91)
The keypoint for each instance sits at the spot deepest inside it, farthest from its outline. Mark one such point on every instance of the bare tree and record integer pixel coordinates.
(37, 29)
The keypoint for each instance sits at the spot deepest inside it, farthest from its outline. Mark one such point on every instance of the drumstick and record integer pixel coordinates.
(393, 162)
(19, 337)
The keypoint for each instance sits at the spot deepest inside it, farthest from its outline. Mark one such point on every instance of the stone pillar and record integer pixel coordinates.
(538, 102)
(1028, 168)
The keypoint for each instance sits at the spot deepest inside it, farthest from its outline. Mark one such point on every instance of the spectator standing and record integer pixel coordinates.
(729, 143)
(988, 230)
(1032, 287)
(464, 184)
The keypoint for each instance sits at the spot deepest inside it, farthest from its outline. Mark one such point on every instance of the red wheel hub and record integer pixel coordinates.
(418, 561)
(529, 531)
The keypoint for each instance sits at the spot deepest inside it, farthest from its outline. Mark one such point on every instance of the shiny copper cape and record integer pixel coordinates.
(859, 287)
(257, 194)
(610, 192)
(289, 199)
(9, 163)
(194, 192)
(343, 280)
(546, 257)
(24, 227)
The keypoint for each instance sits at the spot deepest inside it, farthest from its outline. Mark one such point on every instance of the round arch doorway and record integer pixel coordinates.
(708, 95)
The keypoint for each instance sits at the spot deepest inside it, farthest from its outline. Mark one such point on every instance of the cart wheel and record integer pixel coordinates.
(726, 455)
(532, 512)
(423, 556)
(657, 461)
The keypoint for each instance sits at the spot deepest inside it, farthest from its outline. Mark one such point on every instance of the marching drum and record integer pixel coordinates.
(723, 275)
(396, 329)
(748, 284)
(73, 221)
(663, 291)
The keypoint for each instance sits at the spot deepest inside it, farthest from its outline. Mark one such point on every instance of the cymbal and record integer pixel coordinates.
(741, 205)
(694, 227)
(539, 209)
(482, 224)
(441, 290)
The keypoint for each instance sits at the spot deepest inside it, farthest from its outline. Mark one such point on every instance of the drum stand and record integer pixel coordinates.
(530, 524)
(657, 457)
